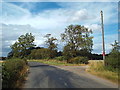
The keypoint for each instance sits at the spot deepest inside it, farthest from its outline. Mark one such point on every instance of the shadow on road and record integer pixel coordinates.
(38, 65)
(46, 76)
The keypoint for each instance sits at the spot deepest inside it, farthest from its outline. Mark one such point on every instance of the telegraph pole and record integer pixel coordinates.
(103, 43)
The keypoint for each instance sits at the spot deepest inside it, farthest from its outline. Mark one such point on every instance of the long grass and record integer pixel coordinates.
(55, 62)
(97, 68)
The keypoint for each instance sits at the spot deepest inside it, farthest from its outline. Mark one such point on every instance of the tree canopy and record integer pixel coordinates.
(77, 38)
(20, 47)
(50, 42)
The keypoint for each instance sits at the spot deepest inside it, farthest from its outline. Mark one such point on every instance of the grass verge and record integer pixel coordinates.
(55, 62)
(97, 68)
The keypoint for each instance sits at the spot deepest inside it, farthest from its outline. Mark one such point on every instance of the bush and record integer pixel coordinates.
(79, 60)
(112, 62)
(60, 58)
(42, 54)
(13, 72)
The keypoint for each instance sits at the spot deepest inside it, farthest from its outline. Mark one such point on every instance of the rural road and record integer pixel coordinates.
(46, 76)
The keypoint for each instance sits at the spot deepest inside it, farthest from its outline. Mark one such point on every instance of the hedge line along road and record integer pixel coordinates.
(46, 76)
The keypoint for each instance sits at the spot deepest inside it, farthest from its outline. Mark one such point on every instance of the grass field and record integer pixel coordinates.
(97, 68)
(56, 62)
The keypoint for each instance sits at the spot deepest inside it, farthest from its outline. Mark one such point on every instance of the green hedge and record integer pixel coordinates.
(79, 60)
(42, 54)
(13, 72)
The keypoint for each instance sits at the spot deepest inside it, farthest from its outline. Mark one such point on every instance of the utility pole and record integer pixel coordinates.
(103, 43)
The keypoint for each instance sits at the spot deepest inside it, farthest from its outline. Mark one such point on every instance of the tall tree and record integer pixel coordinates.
(20, 48)
(50, 42)
(52, 46)
(77, 38)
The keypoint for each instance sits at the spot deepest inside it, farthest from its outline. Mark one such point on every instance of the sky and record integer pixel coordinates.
(41, 18)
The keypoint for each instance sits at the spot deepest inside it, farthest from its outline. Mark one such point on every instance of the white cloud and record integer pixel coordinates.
(110, 10)
(76, 13)
(18, 21)
(10, 11)
(79, 15)
(94, 27)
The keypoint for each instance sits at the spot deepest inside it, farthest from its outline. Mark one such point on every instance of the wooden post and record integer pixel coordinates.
(103, 43)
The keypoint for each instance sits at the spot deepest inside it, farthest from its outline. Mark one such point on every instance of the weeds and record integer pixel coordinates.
(98, 68)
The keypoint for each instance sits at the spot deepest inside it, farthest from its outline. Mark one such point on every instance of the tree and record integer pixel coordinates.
(112, 61)
(21, 47)
(115, 46)
(50, 42)
(52, 46)
(77, 38)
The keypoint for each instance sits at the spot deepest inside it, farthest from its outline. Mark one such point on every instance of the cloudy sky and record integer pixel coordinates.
(40, 18)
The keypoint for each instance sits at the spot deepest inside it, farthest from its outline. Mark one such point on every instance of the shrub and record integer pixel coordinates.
(79, 60)
(43, 53)
(60, 58)
(112, 62)
(13, 72)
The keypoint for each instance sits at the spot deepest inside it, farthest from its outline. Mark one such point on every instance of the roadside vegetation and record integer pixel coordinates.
(98, 69)
(108, 69)
(14, 72)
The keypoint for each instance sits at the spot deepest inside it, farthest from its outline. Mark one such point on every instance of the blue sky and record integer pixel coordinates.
(41, 18)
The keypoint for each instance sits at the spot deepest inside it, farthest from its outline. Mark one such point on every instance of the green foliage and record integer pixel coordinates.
(68, 53)
(112, 62)
(21, 47)
(79, 60)
(77, 38)
(11, 72)
(50, 42)
(60, 58)
(44, 53)
(52, 46)
(39, 53)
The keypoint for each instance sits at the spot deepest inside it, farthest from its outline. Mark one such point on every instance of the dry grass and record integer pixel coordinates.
(97, 68)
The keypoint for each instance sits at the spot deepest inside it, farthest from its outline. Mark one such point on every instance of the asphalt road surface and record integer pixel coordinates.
(46, 76)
